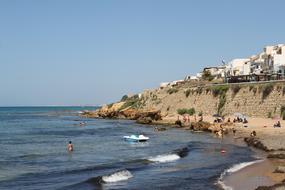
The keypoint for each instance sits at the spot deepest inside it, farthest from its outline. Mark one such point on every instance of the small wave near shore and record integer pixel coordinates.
(176, 155)
(117, 176)
(233, 169)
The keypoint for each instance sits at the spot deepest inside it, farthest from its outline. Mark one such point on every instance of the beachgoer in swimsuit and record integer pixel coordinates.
(70, 146)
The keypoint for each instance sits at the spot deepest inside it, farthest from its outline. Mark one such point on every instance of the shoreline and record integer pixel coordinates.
(268, 145)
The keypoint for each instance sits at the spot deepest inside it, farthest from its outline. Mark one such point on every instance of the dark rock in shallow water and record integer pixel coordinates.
(144, 120)
(178, 123)
(160, 128)
(254, 142)
(200, 126)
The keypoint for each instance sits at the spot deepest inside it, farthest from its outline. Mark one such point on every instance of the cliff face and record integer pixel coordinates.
(257, 100)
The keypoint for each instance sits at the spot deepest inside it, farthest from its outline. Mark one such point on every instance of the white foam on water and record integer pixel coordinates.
(118, 176)
(234, 169)
(164, 158)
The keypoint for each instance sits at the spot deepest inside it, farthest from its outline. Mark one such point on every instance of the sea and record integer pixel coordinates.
(33, 153)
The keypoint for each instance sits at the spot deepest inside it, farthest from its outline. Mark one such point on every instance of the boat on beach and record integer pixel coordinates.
(136, 138)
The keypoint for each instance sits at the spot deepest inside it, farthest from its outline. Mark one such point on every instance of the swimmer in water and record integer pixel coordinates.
(70, 146)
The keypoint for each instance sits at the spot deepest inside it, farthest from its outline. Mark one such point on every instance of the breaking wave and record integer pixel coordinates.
(177, 154)
(164, 158)
(124, 169)
(117, 176)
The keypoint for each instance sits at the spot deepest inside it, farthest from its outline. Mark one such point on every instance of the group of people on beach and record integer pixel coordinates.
(278, 124)
(240, 120)
(186, 120)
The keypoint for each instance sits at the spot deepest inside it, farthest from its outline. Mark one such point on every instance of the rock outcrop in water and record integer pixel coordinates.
(201, 126)
(115, 112)
(256, 143)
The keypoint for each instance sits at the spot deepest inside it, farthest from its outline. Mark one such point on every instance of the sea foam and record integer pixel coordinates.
(117, 176)
(164, 158)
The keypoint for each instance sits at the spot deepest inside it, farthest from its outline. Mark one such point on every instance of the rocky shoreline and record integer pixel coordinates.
(149, 118)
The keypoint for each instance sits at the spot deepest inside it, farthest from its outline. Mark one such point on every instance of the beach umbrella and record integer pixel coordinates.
(238, 114)
(276, 118)
(216, 115)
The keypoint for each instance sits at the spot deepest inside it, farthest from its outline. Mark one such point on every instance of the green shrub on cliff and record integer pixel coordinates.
(251, 87)
(200, 113)
(219, 90)
(266, 90)
(269, 114)
(282, 112)
(110, 105)
(187, 93)
(207, 76)
(283, 115)
(235, 89)
(183, 111)
(172, 90)
(124, 98)
(222, 102)
(133, 102)
(199, 90)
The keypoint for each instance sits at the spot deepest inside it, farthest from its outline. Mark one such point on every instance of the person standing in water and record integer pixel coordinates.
(70, 146)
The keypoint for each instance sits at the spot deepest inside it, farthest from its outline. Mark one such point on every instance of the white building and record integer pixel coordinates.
(176, 82)
(199, 75)
(238, 67)
(191, 78)
(271, 60)
(278, 59)
(163, 85)
(217, 72)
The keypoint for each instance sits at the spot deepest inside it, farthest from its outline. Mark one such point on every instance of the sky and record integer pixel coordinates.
(67, 52)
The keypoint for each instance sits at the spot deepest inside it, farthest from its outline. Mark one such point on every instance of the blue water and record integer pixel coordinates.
(33, 153)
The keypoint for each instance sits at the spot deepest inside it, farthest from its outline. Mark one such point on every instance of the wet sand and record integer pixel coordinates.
(253, 176)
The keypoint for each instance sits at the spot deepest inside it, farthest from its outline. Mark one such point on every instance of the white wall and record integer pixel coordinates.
(237, 66)
(279, 60)
(246, 68)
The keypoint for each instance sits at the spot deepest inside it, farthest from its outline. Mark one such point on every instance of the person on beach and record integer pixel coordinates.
(201, 118)
(234, 131)
(278, 124)
(219, 134)
(82, 123)
(70, 146)
(253, 134)
(184, 118)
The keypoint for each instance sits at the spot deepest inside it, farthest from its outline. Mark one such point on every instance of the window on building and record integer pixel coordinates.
(279, 52)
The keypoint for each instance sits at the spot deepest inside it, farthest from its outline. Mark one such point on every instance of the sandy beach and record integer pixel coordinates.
(270, 136)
